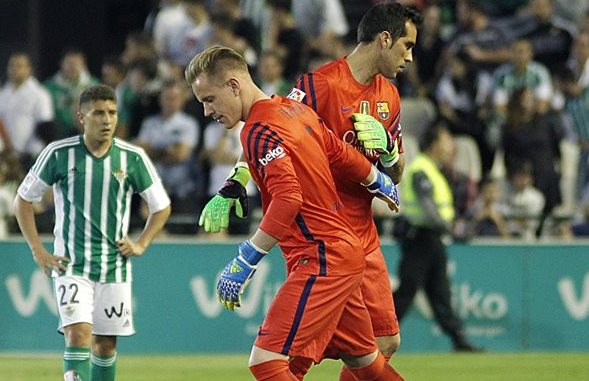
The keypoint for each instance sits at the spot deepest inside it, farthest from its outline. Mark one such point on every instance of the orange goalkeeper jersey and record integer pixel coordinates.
(335, 95)
(289, 153)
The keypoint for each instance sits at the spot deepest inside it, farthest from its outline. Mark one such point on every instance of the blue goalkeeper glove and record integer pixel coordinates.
(385, 189)
(237, 274)
(374, 136)
(215, 215)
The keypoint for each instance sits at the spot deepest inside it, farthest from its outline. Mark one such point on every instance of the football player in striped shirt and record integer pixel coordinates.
(93, 176)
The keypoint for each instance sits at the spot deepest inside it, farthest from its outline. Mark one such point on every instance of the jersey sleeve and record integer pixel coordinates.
(156, 197)
(344, 159)
(142, 173)
(395, 125)
(268, 154)
(41, 176)
(311, 89)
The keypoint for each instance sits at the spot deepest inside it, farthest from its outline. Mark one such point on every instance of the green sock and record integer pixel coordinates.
(103, 367)
(77, 359)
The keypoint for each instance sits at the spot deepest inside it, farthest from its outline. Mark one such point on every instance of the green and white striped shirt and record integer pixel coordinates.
(92, 199)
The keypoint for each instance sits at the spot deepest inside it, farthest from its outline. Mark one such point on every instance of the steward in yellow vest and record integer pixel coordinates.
(429, 212)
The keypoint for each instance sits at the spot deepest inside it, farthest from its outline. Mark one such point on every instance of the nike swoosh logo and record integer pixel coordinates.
(345, 109)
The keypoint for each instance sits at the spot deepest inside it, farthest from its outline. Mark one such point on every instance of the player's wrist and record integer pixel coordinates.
(251, 253)
(388, 161)
(240, 173)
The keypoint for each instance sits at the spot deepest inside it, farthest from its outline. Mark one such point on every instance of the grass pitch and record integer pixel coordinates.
(414, 367)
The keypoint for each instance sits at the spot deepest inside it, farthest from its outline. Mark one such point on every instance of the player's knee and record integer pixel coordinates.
(299, 366)
(388, 345)
(358, 361)
(104, 345)
(259, 355)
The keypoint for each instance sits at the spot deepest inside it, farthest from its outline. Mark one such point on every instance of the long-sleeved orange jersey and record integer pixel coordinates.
(290, 154)
(335, 95)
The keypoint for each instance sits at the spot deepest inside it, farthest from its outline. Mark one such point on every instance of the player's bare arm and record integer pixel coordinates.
(155, 223)
(25, 217)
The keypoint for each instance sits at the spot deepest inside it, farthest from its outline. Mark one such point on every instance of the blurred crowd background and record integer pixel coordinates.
(509, 78)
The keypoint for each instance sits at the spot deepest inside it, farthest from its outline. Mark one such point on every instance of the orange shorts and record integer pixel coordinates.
(378, 296)
(307, 311)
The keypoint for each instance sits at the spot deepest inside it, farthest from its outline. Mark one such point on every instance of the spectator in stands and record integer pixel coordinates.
(142, 88)
(223, 33)
(25, 107)
(551, 36)
(488, 212)
(524, 202)
(162, 21)
(284, 37)
(113, 74)
(243, 27)
(138, 46)
(576, 106)
(323, 24)
(580, 228)
(189, 36)
(270, 77)
(483, 42)
(426, 69)
(65, 88)
(11, 175)
(522, 72)
(169, 139)
(529, 137)
(464, 193)
(221, 150)
(462, 97)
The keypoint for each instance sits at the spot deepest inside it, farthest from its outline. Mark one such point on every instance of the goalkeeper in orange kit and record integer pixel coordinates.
(290, 154)
(355, 98)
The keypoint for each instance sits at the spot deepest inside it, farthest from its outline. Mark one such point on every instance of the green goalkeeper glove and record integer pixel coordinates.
(374, 136)
(215, 215)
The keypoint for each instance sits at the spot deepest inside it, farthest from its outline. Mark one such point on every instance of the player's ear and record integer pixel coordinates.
(80, 117)
(233, 83)
(386, 40)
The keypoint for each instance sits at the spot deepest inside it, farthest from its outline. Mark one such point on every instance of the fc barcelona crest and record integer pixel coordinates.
(382, 109)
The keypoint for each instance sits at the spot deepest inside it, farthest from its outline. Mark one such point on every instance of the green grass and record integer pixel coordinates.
(414, 367)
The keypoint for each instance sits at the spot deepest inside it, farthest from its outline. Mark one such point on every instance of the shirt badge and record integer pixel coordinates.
(297, 95)
(382, 109)
(120, 175)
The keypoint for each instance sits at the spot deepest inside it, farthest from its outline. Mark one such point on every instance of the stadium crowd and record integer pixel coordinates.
(510, 80)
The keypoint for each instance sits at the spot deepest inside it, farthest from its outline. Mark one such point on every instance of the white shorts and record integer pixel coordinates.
(107, 306)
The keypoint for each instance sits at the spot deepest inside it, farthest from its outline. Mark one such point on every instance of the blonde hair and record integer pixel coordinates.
(215, 61)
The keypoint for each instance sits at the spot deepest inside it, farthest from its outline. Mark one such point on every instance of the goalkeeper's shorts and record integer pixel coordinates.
(378, 296)
(310, 312)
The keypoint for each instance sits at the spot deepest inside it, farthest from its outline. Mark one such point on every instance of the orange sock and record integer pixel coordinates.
(299, 366)
(274, 370)
(346, 375)
(379, 370)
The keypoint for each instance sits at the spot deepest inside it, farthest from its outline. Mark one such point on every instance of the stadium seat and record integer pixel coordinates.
(468, 158)
(416, 115)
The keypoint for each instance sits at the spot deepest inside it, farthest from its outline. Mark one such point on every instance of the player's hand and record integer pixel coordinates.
(385, 189)
(237, 274)
(129, 248)
(48, 263)
(215, 215)
(374, 136)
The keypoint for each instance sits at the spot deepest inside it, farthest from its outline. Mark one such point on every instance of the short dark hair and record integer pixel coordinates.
(97, 93)
(432, 134)
(387, 16)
